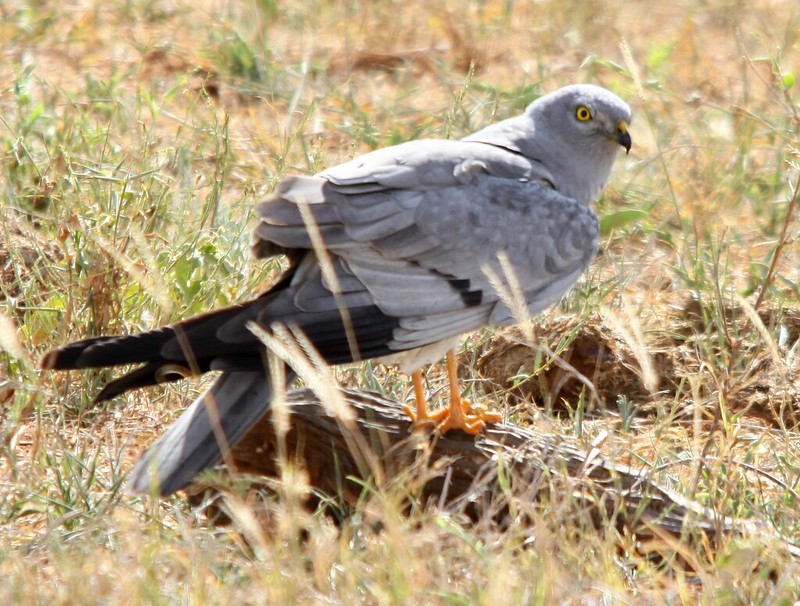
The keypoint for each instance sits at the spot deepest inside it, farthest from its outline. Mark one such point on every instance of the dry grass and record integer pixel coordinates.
(135, 138)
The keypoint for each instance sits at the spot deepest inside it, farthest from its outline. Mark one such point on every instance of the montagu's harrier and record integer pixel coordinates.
(409, 248)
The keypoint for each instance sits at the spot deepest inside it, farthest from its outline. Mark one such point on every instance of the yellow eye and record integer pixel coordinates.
(583, 114)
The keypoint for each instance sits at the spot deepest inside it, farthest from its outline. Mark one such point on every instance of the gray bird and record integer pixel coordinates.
(417, 238)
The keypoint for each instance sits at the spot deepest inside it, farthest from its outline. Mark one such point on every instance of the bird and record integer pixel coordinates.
(392, 256)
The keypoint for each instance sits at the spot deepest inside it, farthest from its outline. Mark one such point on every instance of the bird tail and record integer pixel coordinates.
(166, 354)
(212, 424)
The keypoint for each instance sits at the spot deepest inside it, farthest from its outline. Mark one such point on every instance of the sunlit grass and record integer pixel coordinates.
(136, 138)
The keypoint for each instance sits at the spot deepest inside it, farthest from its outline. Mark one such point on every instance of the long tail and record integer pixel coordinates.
(166, 354)
(233, 404)
(221, 340)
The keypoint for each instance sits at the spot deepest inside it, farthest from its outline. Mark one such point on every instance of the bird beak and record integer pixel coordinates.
(623, 136)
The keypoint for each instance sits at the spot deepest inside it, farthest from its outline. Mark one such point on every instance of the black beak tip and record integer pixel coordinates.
(624, 139)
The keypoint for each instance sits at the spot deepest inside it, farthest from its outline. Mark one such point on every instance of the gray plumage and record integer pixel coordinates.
(413, 233)
(190, 445)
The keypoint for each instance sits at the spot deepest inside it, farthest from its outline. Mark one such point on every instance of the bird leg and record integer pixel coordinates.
(460, 414)
(421, 414)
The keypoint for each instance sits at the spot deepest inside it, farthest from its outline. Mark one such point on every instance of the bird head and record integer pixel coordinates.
(577, 132)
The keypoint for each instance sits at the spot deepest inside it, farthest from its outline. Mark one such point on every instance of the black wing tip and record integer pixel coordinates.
(108, 392)
(63, 358)
(73, 356)
(49, 361)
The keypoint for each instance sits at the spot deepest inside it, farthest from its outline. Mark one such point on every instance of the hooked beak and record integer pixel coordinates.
(623, 136)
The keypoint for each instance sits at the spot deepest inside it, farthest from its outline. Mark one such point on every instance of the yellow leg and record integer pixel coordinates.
(421, 414)
(419, 395)
(460, 414)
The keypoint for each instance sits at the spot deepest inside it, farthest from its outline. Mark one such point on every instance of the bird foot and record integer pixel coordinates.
(464, 415)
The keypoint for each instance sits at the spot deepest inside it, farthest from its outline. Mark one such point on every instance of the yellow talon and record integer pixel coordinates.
(460, 414)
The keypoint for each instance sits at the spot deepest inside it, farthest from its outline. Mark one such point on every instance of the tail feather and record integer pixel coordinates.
(237, 400)
(199, 345)
(67, 357)
(122, 349)
(149, 374)
(167, 354)
(162, 344)
(222, 341)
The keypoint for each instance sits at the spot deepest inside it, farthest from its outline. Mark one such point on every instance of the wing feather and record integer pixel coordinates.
(415, 231)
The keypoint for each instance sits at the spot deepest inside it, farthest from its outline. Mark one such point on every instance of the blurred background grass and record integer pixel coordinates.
(135, 138)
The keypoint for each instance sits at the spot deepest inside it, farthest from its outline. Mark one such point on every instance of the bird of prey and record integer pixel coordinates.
(417, 239)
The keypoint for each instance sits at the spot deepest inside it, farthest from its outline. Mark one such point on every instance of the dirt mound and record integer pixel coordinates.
(594, 364)
(569, 361)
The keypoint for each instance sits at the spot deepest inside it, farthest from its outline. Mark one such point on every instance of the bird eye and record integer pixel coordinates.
(583, 114)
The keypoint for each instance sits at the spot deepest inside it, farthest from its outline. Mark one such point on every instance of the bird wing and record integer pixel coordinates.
(421, 228)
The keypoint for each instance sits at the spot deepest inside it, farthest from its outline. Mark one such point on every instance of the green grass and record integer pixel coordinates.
(135, 139)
